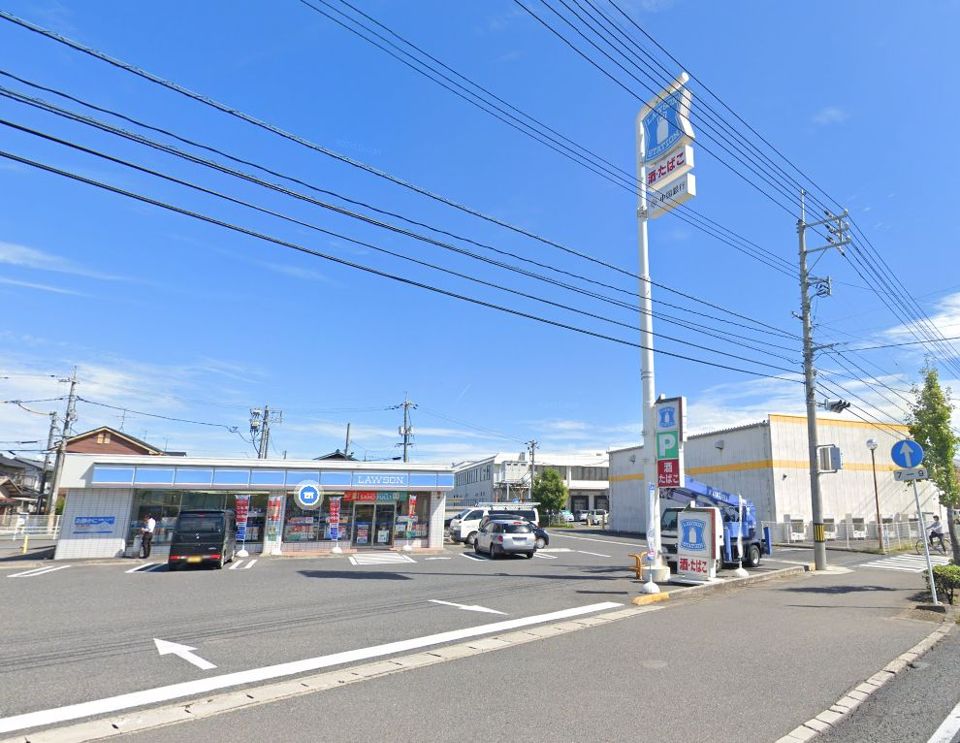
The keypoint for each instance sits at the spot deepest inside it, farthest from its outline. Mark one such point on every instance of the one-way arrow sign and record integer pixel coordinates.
(164, 647)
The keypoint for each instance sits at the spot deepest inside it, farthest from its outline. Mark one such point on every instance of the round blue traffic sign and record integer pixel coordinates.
(907, 454)
(308, 495)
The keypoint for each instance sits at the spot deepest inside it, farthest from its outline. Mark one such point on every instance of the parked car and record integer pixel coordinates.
(596, 517)
(465, 527)
(542, 538)
(566, 516)
(203, 536)
(502, 537)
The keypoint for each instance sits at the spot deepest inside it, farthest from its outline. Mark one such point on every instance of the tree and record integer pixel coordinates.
(930, 427)
(550, 491)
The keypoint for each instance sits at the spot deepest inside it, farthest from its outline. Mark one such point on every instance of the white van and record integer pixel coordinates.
(466, 524)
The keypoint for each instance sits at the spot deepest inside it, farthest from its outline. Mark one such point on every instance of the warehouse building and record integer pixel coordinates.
(768, 463)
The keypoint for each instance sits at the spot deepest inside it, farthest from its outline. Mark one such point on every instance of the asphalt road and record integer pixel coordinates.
(912, 706)
(86, 631)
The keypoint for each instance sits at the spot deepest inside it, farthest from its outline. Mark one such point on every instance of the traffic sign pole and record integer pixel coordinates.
(926, 545)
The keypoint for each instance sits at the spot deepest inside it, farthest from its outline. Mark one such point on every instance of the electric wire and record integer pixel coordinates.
(395, 254)
(367, 269)
(696, 327)
(231, 429)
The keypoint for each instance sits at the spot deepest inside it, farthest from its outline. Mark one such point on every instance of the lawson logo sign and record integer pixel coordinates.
(691, 535)
(381, 479)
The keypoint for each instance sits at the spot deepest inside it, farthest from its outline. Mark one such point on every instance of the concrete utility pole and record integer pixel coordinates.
(532, 445)
(872, 446)
(51, 438)
(836, 227)
(406, 430)
(346, 444)
(69, 416)
(260, 422)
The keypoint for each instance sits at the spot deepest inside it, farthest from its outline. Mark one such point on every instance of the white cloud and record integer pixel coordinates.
(945, 319)
(25, 257)
(298, 272)
(830, 115)
(40, 287)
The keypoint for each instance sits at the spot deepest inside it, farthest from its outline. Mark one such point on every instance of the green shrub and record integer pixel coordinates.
(947, 580)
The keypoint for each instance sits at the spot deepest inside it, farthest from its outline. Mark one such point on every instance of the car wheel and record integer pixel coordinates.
(541, 543)
(219, 563)
(529, 555)
(171, 566)
(753, 556)
(471, 538)
(493, 551)
(476, 547)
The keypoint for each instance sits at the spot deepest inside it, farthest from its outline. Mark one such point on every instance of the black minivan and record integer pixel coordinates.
(203, 537)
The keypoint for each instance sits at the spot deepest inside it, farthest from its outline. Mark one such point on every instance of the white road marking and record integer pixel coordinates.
(250, 564)
(141, 567)
(638, 545)
(236, 564)
(906, 563)
(555, 549)
(789, 562)
(544, 557)
(380, 558)
(159, 694)
(471, 557)
(948, 728)
(595, 554)
(165, 647)
(37, 571)
(437, 558)
(466, 607)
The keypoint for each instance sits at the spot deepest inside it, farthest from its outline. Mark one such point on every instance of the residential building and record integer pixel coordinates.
(106, 440)
(506, 477)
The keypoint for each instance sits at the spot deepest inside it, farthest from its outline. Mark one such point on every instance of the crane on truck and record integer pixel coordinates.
(736, 523)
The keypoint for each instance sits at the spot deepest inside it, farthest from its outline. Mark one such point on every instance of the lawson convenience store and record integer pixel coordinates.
(362, 505)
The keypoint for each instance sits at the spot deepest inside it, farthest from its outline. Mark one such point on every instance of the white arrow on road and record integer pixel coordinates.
(164, 647)
(465, 607)
(907, 451)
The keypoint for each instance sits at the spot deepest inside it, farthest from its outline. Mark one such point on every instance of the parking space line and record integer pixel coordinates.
(236, 564)
(141, 567)
(37, 571)
(544, 557)
(556, 549)
(250, 564)
(595, 554)
(595, 539)
(472, 557)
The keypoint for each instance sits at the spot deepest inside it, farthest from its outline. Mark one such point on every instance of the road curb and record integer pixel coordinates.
(730, 584)
(846, 704)
(650, 598)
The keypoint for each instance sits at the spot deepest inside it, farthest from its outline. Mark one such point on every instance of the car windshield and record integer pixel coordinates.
(201, 523)
(516, 528)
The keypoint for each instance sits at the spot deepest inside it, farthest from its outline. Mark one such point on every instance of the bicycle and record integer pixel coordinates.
(935, 548)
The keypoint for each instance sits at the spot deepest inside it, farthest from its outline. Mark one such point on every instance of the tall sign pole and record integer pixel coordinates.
(664, 159)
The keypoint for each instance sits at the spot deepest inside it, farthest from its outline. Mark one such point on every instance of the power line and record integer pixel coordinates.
(898, 345)
(620, 178)
(319, 148)
(397, 254)
(367, 269)
(231, 429)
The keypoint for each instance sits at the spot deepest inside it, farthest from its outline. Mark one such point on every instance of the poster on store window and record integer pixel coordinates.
(363, 533)
(411, 516)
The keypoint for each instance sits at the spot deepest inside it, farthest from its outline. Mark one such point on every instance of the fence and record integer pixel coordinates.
(855, 533)
(18, 525)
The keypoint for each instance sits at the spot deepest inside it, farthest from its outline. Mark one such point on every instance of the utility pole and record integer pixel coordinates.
(68, 418)
(260, 422)
(532, 445)
(406, 430)
(836, 227)
(51, 438)
(346, 444)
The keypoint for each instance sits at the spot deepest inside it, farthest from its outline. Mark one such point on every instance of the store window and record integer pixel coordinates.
(413, 523)
(310, 529)
(163, 505)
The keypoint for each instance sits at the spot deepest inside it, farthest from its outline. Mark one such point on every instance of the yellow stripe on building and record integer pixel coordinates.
(760, 464)
(802, 419)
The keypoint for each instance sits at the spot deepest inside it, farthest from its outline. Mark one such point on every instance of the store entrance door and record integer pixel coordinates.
(362, 524)
(383, 520)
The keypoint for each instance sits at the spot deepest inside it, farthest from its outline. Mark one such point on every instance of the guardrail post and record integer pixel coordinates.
(26, 542)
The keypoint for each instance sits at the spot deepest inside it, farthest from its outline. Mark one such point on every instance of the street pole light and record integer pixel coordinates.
(872, 446)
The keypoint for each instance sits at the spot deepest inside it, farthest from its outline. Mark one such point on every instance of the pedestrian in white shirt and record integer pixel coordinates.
(146, 535)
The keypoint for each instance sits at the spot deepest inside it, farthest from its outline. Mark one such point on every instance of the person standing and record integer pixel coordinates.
(146, 536)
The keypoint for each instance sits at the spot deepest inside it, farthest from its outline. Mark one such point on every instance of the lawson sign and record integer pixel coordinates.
(381, 479)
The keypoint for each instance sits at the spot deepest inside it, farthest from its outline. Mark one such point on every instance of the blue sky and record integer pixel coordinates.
(166, 315)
